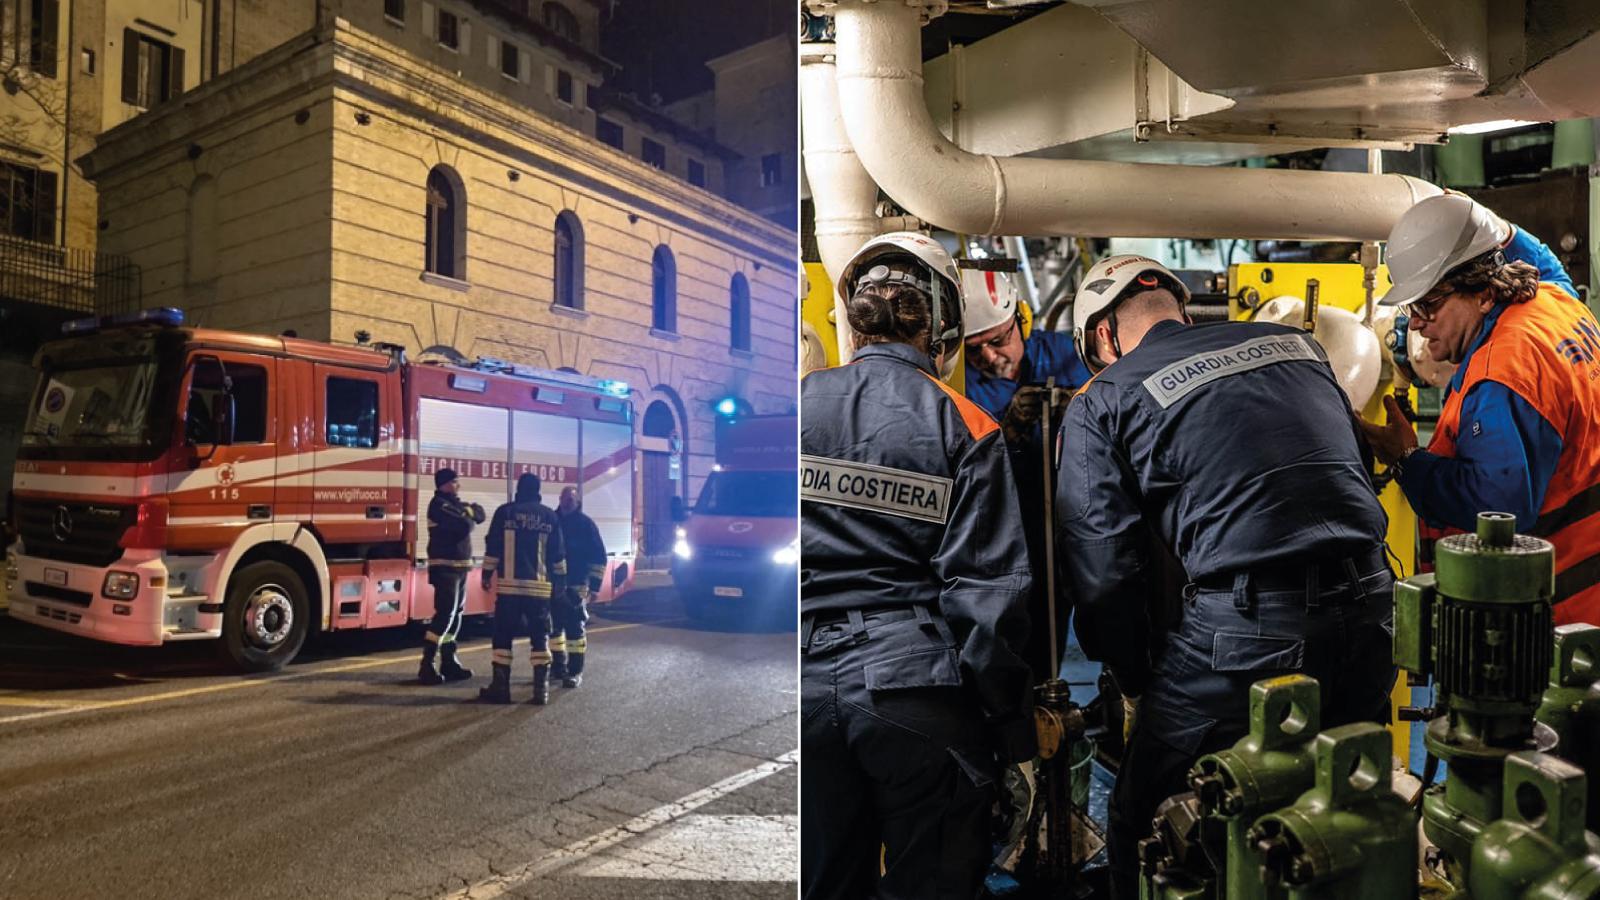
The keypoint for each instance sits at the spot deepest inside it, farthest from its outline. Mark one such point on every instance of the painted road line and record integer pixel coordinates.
(40, 701)
(95, 705)
(706, 848)
(578, 851)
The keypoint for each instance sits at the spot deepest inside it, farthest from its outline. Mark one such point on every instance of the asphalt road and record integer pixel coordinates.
(150, 773)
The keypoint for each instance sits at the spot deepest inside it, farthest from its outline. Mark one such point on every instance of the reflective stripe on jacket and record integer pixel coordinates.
(526, 550)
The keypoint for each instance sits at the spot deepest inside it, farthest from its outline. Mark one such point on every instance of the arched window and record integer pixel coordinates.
(446, 247)
(569, 261)
(664, 290)
(559, 19)
(739, 313)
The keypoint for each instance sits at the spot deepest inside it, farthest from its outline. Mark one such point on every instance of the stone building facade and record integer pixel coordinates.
(342, 183)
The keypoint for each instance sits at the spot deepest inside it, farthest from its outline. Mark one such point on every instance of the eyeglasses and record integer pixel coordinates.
(1427, 308)
(996, 343)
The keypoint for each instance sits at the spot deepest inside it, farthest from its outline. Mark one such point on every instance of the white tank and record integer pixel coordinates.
(1354, 351)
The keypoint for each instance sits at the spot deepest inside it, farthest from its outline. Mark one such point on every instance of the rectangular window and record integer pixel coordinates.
(564, 86)
(509, 64)
(653, 153)
(28, 203)
(448, 30)
(771, 169)
(243, 405)
(152, 70)
(352, 412)
(43, 26)
(395, 10)
(697, 173)
(608, 132)
(88, 61)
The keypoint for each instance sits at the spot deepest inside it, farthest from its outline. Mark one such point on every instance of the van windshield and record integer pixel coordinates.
(756, 494)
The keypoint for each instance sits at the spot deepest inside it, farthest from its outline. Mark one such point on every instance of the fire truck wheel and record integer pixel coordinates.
(265, 620)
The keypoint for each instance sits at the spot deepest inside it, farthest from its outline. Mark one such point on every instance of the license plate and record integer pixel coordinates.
(728, 591)
(57, 577)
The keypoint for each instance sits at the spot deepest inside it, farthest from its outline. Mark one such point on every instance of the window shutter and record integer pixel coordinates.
(130, 66)
(175, 73)
(494, 58)
(550, 79)
(525, 67)
(44, 205)
(430, 23)
(464, 32)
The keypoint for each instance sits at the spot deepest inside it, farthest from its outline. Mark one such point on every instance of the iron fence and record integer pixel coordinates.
(67, 278)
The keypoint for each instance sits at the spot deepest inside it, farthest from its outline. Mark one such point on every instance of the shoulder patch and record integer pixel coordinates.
(980, 423)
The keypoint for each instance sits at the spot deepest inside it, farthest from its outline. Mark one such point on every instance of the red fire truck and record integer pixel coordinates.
(186, 484)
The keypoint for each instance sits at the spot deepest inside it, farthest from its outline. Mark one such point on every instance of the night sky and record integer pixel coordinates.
(662, 45)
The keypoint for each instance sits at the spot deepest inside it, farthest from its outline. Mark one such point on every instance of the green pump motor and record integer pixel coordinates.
(1571, 705)
(1349, 836)
(1480, 625)
(1265, 771)
(1540, 848)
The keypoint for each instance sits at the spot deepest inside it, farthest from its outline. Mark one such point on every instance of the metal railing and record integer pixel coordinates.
(67, 278)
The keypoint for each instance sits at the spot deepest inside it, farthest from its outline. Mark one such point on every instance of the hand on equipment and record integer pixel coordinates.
(477, 513)
(1130, 717)
(1394, 439)
(1025, 408)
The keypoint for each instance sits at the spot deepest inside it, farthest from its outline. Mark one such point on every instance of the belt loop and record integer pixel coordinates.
(858, 625)
(1357, 589)
(808, 624)
(1190, 592)
(926, 620)
(1243, 595)
(1313, 586)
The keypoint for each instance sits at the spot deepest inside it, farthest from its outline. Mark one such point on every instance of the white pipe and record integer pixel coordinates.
(880, 96)
(1017, 249)
(844, 196)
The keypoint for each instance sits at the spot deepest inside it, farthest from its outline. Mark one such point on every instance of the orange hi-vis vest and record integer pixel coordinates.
(1547, 351)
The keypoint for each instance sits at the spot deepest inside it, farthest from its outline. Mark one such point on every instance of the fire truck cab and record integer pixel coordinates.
(180, 483)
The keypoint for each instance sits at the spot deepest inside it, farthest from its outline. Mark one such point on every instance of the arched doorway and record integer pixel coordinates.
(661, 428)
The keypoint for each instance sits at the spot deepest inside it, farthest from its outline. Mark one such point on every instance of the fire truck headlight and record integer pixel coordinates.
(787, 556)
(121, 586)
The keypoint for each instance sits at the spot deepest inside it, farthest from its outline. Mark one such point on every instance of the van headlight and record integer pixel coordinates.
(681, 548)
(787, 556)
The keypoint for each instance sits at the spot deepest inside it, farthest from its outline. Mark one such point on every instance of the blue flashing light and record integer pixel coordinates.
(165, 316)
(615, 388)
(727, 406)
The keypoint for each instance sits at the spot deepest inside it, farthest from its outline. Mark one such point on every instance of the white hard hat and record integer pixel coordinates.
(1105, 284)
(987, 299)
(1434, 237)
(925, 250)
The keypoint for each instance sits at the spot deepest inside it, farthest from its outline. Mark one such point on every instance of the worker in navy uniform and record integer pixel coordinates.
(914, 582)
(1232, 443)
(525, 550)
(450, 522)
(586, 560)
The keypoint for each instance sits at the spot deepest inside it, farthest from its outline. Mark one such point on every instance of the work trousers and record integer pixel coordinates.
(515, 616)
(570, 612)
(1198, 701)
(449, 598)
(895, 757)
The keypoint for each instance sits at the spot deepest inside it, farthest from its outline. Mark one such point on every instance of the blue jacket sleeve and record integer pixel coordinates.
(1505, 456)
(1103, 546)
(1524, 247)
(982, 562)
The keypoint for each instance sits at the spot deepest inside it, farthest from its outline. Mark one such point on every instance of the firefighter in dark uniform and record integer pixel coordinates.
(586, 560)
(525, 550)
(1236, 442)
(450, 521)
(914, 582)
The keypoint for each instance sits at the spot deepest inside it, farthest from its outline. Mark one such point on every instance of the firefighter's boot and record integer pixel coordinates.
(450, 669)
(577, 650)
(541, 685)
(426, 673)
(558, 655)
(499, 689)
